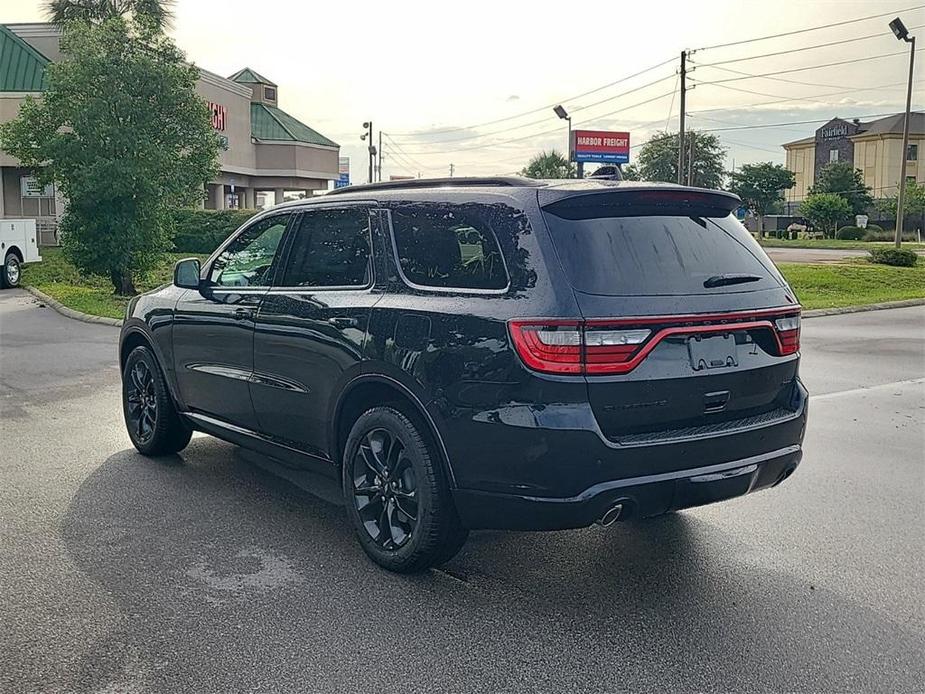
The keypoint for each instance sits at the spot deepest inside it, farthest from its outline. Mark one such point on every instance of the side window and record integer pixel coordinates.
(447, 246)
(330, 249)
(247, 260)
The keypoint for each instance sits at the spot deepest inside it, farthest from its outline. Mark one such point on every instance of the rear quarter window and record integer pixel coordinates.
(452, 246)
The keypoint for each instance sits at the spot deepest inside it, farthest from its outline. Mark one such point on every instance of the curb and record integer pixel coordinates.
(69, 312)
(818, 312)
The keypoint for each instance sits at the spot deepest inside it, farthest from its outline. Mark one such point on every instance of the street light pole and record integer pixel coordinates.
(563, 114)
(371, 148)
(901, 33)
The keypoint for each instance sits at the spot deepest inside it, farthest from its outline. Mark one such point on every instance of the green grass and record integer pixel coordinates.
(61, 280)
(854, 283)
(834, 244)
(831, 285)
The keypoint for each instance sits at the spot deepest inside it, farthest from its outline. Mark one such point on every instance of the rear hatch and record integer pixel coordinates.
(688, 328)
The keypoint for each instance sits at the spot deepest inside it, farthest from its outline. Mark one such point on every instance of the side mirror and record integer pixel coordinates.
(186, 273)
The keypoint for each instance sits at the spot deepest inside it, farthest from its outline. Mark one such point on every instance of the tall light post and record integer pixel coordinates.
(901, 33)
(368, 126)
(563, 114)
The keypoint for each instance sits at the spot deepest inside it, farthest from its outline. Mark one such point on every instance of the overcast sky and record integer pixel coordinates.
(432, 74)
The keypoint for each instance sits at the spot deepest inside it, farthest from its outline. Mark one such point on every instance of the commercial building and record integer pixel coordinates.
(873, 147)
(266, 153)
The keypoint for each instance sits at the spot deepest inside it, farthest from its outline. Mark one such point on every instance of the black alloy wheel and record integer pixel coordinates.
(385, 489)
(151, 418)
(142, 402)
(397, 492)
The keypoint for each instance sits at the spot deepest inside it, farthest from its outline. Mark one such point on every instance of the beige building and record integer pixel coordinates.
(267, 153)
(874, 147)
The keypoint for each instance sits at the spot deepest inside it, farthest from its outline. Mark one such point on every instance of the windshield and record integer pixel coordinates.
(650, 255)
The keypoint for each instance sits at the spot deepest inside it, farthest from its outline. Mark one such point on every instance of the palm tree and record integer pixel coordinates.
(549, 165)
(158, 12)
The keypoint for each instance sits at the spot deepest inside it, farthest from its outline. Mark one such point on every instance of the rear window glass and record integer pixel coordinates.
(447, 246)
(660, 255)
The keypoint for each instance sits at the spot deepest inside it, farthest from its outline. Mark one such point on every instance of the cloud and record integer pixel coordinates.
(512, 97)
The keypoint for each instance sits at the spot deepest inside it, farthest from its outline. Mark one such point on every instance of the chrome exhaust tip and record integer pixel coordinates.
(611, 516)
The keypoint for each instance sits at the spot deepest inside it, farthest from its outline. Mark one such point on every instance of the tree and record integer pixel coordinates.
(843, 179)
(549, 165)
(761, 187)
(631, 172)
(158, 13)
(658, 159)
(913, 203)
(826, 210)
(122, 133)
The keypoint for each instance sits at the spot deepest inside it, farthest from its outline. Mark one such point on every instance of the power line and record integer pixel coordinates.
(783, 99)
(781, 125)
(802, 83)
(879, 34)
(809, 67)
(808, 29)
(545, 132)
(536, 110)
(543, 120)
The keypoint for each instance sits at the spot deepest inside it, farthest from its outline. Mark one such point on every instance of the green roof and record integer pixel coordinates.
(248, 76)
(271, 123)
(22, 68)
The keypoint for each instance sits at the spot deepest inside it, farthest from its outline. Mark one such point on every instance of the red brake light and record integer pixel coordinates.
(617, 346)
(788, 333)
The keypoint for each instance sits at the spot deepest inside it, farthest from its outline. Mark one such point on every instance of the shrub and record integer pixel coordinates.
(902, 257)
(850, 234)
(879, 234)
(202, 231)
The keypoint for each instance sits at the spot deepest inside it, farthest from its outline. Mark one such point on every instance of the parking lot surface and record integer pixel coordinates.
(206, 573)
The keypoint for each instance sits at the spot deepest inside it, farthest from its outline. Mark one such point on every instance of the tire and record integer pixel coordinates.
(397, 495)
(12, 271)
(151, 418)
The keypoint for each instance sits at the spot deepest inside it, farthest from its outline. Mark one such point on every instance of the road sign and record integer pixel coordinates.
(600, 145)
(343, 170)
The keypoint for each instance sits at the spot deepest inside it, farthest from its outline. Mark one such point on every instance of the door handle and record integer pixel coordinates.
(243, 313)
(343, 322)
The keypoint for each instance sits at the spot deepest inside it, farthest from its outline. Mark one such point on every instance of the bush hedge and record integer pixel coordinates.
(850, 233)
(202, 231)
(879, 234)
(901, 257)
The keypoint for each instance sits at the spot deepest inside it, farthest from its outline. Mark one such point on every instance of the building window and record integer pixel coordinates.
(912, 154)
(269, 93)
(833, 155)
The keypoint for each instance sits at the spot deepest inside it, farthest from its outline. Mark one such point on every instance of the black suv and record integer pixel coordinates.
(483, 353)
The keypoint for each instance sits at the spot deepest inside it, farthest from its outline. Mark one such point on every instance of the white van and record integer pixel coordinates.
(17, 247)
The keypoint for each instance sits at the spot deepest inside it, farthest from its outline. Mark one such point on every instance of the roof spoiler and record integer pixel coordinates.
(643, 202)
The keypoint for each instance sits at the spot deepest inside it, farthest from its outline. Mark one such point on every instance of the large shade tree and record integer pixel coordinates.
(124, 136)
(761, 187)
(841, 178)
(658, 159)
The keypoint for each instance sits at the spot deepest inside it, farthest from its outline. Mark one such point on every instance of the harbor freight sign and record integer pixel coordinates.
(599, 145)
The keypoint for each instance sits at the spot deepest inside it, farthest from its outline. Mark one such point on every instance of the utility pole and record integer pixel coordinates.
(452, 170)
(681, 117)
(379, 167)
(690, 161)
(371, 148)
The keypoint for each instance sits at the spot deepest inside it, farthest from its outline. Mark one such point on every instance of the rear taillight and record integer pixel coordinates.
(617, 346)
(788, 334)
(571, 347)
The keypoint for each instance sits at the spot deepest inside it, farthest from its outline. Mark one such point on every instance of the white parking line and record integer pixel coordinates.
(840, 393)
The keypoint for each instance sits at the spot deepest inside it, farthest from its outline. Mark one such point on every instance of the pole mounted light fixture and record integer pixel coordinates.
(368, 128)
(899, 29)
(563, 114)
(902, 33)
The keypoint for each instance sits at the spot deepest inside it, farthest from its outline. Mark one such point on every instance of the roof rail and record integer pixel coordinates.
(460, 182)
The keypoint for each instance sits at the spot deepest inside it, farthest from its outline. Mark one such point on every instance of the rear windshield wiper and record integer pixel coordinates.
(731, 278)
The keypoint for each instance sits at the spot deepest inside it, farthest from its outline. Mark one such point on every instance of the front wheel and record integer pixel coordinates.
(12, 271)
(151, 418)
(397, 495)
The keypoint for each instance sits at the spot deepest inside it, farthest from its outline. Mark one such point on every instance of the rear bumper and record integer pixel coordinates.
(640, 497)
